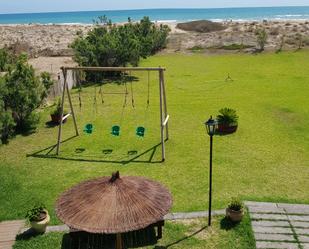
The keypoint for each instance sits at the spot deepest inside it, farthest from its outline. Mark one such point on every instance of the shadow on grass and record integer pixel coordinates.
(227, 224)
(46, 153)
(28, 234)
(83, 240)
(50, 124)
(182, 239)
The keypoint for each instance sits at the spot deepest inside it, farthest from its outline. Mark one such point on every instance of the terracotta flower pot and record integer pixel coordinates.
(57, 118)
(235, 216)
(226, 129)
(40, 225)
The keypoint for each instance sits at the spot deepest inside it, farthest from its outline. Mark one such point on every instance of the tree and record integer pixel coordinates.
(24, 94)
(6, 59)
(261, 36)
(6, 120)
(108, 45)
(299, 39)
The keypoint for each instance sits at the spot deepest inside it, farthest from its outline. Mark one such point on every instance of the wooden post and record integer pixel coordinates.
(72, 109)
(165, 106)
(118, 241)
(64, 72)
(161, 114)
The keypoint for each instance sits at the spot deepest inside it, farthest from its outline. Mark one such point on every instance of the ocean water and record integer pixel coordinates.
(163, 15)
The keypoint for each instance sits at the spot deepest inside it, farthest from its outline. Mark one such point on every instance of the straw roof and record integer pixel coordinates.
(114, 205)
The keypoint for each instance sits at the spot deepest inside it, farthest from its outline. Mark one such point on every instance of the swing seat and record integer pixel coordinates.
(88, 128)
(115, 130)
(140, 131)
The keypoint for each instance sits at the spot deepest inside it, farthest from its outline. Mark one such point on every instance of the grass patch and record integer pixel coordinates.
(186, 234)
(234, 46)
(196, 49)
(265, 160)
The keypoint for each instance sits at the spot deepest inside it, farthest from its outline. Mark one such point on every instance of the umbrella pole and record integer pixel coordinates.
(118, 241)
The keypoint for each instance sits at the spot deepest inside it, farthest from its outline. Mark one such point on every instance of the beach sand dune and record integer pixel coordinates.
(52, 41)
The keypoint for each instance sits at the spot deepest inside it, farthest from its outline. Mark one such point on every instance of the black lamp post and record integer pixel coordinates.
(211, 129)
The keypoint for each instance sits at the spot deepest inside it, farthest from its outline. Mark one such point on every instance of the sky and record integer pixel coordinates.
(31, 6)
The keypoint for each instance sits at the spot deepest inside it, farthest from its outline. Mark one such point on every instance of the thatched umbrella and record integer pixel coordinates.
(114, 205)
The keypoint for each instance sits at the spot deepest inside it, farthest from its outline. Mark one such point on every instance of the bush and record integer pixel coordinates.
(261, 36)
(6, 120)
(108, 45)
(21, 93)
(236, 204)
(58, 109)
(47, 82)
(227, 116)
(6, 59)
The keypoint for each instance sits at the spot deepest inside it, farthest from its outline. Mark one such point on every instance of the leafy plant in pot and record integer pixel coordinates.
(38, 217)
(227, 121)
(56, 113)
(235, 210)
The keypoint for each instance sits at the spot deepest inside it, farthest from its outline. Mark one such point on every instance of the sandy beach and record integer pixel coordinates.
(52, 41)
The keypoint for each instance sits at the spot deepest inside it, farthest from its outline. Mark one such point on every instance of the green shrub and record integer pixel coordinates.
(58, 109)
(6, 59)
(108, 45)
(227, 116)
(33, 214)
(47, 81)
(22, 93)
(261, 36)
(236, 204)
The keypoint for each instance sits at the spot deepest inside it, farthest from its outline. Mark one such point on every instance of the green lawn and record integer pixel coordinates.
(187, 235)
(267, 159)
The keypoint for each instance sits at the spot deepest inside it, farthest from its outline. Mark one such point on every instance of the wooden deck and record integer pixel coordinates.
(8, 232)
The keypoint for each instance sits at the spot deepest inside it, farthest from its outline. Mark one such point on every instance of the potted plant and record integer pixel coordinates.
(235, 210)
(38, 217)
(227, 121)
(56, 113)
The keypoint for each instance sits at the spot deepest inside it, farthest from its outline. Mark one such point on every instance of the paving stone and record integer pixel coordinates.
(291, 205)
(278, 230)
(62, 228)
(302, 231)
(305, 246)
(274, 237)
(299, 217)
(192, 215)
(259, 209)
(303, 239)
(260, 204)
(267, 223)
(280, 245)
(268, 216)
(300, 224)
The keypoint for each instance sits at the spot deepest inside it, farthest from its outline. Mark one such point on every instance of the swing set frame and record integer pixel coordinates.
(164, 117)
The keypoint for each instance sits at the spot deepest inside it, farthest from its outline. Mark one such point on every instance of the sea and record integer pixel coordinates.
(161, 15)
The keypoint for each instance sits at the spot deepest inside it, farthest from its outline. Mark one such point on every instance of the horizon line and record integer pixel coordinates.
(75, 11)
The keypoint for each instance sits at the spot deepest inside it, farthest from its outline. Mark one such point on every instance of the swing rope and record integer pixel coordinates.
(132, 93)
(148, 94)
(126, 90)
(79, 91)
(101, 93)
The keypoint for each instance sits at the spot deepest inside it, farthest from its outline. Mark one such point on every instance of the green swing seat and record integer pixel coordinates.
(140, 131)
(88, 128)
(115, 130)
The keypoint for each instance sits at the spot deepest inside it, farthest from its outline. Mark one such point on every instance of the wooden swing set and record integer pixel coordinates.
(164, 117)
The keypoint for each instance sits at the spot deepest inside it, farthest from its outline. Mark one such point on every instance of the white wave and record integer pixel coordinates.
(291, 15)
(166, 21)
